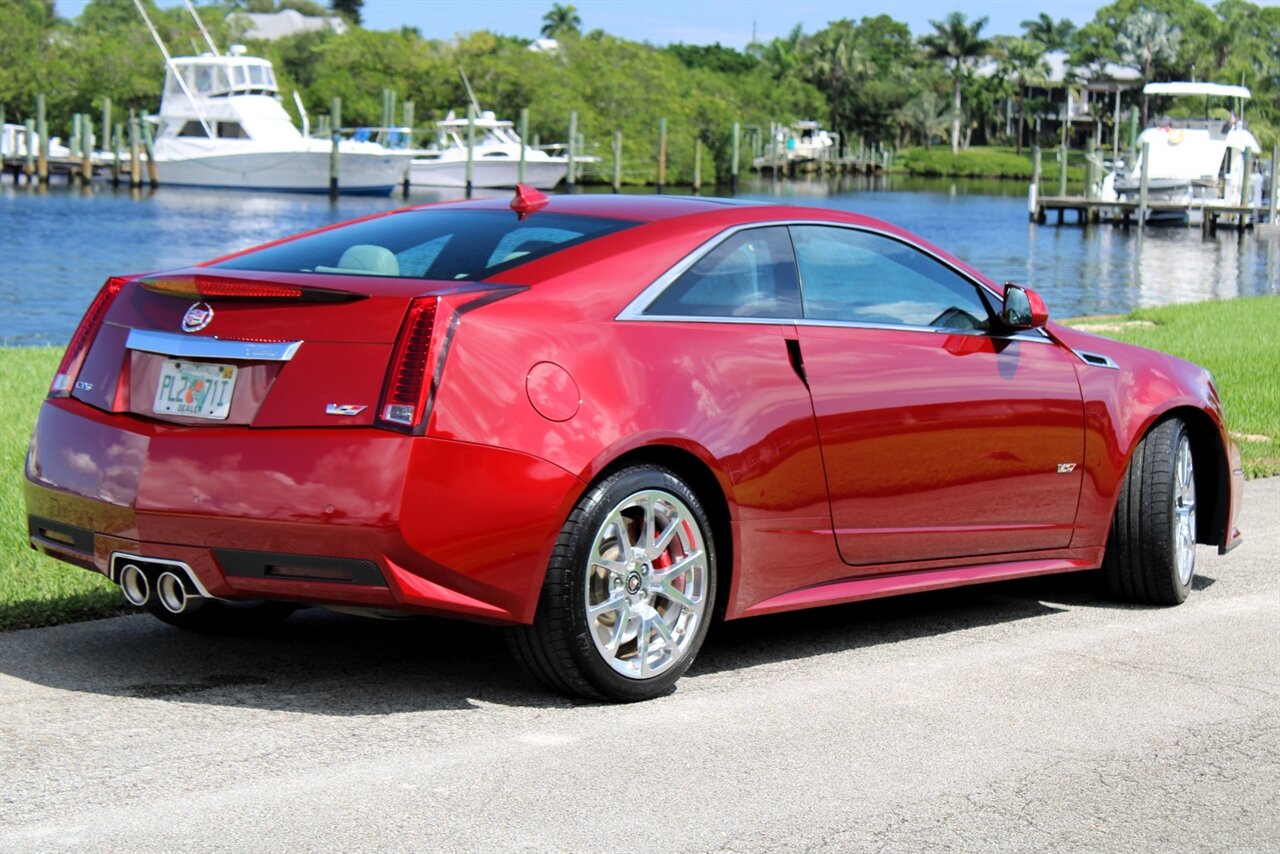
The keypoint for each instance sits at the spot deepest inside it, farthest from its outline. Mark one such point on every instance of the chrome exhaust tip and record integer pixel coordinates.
(172, 593)
(134, 585)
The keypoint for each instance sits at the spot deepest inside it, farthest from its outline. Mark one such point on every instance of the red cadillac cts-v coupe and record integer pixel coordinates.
(603, 421)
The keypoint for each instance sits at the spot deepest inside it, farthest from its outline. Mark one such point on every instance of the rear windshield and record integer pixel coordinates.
(429, 244)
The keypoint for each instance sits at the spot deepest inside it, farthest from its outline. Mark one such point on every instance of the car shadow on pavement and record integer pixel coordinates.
(316, 662)
(322, 663)
(839, 628)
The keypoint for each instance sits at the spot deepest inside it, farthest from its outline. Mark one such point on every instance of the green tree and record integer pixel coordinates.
(1053, 35)
(1147, 39)
(1021, 60)
(960, 45)
(561, 21)
(926, 116)
(349, 9)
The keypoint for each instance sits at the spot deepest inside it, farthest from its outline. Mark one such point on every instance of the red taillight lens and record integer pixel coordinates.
(64, 380)
(224, 287)
(409, 381)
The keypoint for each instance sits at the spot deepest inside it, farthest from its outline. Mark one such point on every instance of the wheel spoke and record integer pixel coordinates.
(676, 595)
(623, 538)
(668, 534)
(616, 602)
(650, 526)
(619, 629)
(642, 646)
(677, 569)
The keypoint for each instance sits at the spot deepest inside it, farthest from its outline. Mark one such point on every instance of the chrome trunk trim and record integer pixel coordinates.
(189, 347)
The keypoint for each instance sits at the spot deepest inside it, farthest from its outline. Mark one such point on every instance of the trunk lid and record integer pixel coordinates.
(196, 347)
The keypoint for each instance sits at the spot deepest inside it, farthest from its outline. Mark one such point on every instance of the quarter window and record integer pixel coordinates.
(856, 276)
(751, 274)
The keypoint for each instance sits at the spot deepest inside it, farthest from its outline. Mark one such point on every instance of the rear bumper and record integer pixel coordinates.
(452, 528)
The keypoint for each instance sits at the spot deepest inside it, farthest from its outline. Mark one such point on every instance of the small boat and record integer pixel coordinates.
(802, 142)
(221, 124)
(1191, 161)
(495, 157)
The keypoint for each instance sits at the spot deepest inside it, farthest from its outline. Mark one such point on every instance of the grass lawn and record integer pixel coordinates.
(992, 162)
(1236, 339)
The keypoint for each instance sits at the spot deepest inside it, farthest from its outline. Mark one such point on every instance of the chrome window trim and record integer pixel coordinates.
(634, 310)
(188, 347)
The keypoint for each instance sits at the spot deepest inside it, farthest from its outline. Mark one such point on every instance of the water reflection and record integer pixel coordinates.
(61, 243)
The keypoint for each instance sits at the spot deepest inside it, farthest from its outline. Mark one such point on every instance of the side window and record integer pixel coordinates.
(751, 274)
(860, 277)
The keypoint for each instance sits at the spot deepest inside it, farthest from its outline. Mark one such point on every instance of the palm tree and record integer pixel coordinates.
(924, 115)
(836, 64)
(561, 21)
(1054, 36)
(1145, 40)
(959, 43)
(1023, 61)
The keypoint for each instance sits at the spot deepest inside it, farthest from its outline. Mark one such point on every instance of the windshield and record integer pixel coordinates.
(429, 244)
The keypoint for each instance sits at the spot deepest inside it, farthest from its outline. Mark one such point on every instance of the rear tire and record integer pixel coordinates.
(1151, 552)
(213, 617)
(628, 594)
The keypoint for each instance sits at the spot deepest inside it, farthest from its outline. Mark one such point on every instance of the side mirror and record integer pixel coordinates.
(1023, 308)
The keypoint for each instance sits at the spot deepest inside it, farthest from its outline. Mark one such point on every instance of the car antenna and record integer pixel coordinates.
(528, 200)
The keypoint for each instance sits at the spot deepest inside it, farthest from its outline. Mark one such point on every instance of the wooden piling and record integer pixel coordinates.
(1062, 170)
(662, 153)
(42, 129)
(135, 152)
(733, 162)
(86, 150)
(29, 165)
(408, 143)
(697, 166)
(335, 136)
(524, 136)
(117, 151)
(1246, 164)
(1090, 169)
(1142, 185)
(1275, 184)
(106, 123)
(74, 143)
(569, 177)
(617, 161)
(471, 147)
(1133, 133)
(149, 150)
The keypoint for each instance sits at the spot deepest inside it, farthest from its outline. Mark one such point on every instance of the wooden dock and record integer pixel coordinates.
(1213, 214)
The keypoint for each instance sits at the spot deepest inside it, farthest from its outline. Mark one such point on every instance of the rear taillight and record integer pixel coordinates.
(65, 379)
(409, 382)
(227, 287)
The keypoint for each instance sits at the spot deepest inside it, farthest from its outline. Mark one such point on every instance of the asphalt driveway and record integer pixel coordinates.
(1023, 716)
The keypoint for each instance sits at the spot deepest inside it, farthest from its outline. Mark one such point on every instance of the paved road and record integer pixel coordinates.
(1025, 716)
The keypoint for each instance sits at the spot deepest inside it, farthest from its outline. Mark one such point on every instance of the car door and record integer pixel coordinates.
(942, 437)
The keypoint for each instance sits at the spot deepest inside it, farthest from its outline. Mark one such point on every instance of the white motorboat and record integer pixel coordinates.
(221, 124)
(495, 157)
(800, 143)
(1190, 161)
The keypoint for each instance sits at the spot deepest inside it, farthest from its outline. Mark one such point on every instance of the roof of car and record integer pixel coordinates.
(638, 208)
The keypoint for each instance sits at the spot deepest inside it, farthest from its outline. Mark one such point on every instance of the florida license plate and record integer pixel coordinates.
(195, 389)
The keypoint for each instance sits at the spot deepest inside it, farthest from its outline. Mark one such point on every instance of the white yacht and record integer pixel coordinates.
(1191, 160)
(495, 159)
(221, 124)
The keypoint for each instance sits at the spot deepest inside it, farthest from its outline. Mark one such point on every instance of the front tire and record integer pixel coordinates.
(1151, 553)
(628, 593)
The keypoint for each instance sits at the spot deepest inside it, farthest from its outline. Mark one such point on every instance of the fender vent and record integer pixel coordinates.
(1096, 359)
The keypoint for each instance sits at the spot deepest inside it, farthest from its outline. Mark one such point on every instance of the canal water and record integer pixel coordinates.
(58, 244)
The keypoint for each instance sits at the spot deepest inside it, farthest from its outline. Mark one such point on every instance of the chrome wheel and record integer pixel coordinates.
(646, 586)
(1184, 509)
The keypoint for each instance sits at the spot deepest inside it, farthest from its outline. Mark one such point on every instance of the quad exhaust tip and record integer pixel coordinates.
(134, 585)
(172, 593)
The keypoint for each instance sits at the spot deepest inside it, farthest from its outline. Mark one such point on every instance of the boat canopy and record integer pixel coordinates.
(214, 76)
(1220, 90)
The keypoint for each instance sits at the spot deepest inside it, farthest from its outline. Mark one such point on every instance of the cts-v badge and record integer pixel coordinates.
(344, 409)
(197, 317)
(1066, 468)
